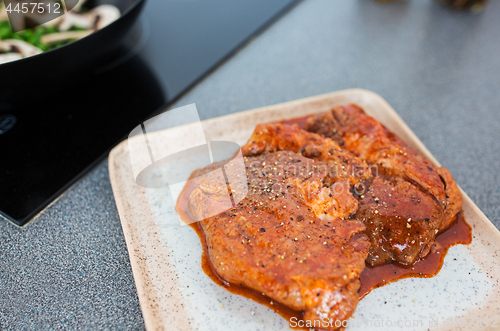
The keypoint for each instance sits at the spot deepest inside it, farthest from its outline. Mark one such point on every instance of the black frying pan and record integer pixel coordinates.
(77, 58)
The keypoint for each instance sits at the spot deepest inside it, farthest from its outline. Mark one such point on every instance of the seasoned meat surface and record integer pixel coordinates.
(453, 197)
(342, 165)
(400, 220)
(367, 138)
(408, 202)
(290, 238)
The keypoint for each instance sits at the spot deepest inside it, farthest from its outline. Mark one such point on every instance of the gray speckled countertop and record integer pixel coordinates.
(440, 70)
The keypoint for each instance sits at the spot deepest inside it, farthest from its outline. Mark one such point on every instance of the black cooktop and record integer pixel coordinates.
(55, 139)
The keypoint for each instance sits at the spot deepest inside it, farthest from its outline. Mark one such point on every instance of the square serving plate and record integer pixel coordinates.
(175, 293)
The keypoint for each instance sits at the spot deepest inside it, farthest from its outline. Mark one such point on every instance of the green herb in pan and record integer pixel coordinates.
(77, 24)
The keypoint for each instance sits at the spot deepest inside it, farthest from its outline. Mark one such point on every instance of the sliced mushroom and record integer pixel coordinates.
(53, 38)
(21, 47)
(9, 57)
(3, 13)
(4, 47)
(97, 18)
(71, 19)
(105, 15)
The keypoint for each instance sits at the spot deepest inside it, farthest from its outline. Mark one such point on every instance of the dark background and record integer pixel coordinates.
(74, 103)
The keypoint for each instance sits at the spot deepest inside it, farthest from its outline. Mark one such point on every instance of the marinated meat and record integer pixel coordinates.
(400, 220)
(341, 165)
(290, 237)
(318, 205)
(409, 201)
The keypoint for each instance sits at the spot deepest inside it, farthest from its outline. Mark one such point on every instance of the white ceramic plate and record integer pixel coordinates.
(175, 293)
